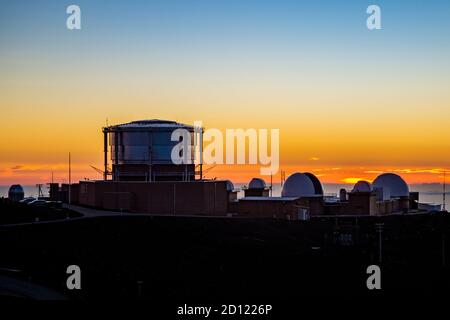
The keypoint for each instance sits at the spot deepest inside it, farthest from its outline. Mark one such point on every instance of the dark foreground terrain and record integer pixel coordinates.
(221, 258)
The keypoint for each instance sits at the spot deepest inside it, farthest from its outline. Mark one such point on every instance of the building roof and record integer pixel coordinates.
(269, 198)
(153, 123)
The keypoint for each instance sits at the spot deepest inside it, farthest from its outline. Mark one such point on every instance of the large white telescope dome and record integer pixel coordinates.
(298, 185)
(392, 182)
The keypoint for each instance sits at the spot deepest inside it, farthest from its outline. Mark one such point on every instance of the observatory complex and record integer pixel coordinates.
(144, 179)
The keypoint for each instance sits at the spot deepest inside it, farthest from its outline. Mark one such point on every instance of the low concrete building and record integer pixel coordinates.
(162, 197)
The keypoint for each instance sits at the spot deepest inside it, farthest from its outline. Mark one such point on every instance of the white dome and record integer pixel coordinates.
(257, 183)
(362, 186)
(298, 185)
(230, 185)
(395, 184)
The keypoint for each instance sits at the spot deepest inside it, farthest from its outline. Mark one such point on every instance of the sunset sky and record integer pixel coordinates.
(350, 103)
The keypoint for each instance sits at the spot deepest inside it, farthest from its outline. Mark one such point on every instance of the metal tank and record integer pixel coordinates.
(141, 151)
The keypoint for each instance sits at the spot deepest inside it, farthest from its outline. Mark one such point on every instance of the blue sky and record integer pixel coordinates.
(204, 26)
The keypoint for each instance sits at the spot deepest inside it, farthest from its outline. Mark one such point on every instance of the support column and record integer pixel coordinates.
(105, 150)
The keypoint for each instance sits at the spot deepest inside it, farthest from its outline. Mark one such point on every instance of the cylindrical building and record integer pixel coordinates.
(142, 151)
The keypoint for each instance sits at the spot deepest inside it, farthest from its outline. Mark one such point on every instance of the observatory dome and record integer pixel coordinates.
(316, 183)
(392, 182)
(298, 185)
(257, 183)
(15, 192)
(362, 186)
(230, 186)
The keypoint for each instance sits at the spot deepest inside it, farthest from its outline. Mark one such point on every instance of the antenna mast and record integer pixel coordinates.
(443, 194)
(70, 176)
(283, 177)
(271, 184)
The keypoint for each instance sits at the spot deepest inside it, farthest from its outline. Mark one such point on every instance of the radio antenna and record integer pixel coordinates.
(443, 194)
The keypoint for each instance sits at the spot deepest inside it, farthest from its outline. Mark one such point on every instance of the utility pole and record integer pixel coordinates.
(40, 193)
(271, 184)
(443, 195)
(70, 177)
(105, 153)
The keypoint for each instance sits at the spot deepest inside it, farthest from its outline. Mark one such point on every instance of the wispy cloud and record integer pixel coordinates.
(325, 169)
(432, 171)
(409, 170)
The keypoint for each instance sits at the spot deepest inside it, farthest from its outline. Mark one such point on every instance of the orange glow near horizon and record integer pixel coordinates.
(35, 150)
(38, 150)
(42, 173)
(344, 175)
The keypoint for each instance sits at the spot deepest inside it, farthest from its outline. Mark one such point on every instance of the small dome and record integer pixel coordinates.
(395, 184)
(257, 183)
(15, 192)
(298, 185)
(362, 186)
(230, 186)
